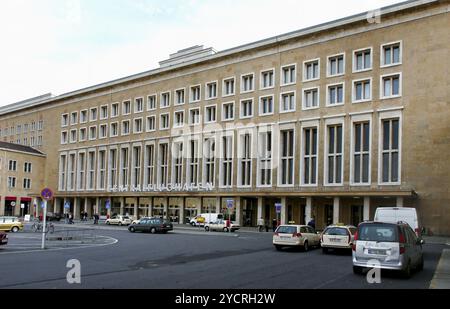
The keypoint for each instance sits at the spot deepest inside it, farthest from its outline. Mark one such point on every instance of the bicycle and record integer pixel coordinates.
(37, 227)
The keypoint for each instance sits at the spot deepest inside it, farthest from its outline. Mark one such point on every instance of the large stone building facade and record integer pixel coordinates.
(330, 122)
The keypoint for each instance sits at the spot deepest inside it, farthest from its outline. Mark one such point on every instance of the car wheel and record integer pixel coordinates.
(407, 271)
(153, 230)
(420, 265)
(305, 246)
(107, 223)
(15, 229)
(132, 229)
(278, 248)
(357, 270)
(207, 228)
(225, 229)
(120, 223)
(325, 250)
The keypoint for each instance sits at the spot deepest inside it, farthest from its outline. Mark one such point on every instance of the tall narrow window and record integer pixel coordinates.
(151, 102)
(287, 102)
(91, 170)
(195, 94)
(334, 155)
(138, 105)
(194, 116)
(163, 164)
(287, 157)
(149, 165)
(228, 87)
(361, 153)
(265, 158)
(210, 114)
(226, 178)
(245, 160)
(266, 105)
(180, 97)
(101, 181)
(391, 151)
(267, 79)
(178, 164)
(71, 176)
(310, 156)
(178, 119)
(247, 108)
(124, 167)
(136, 171)
(81, 167)
(228, 111)
(288, 75)
(247, 83)
(165, 100)
(112, 182)
(193, 170)
(210, 160)
(211, 90)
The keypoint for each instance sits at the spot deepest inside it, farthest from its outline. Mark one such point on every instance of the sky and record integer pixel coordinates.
(59, 46)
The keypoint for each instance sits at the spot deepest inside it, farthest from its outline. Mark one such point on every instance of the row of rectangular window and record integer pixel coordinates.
(123, 165)
(12, 166)
(12, 183)
(16, 130)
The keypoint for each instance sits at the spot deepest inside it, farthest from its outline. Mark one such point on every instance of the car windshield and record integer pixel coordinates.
(379, 233)
(287, 230)
(336, 231)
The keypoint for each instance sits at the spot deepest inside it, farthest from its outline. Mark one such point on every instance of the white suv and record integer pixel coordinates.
(118, 220)
(295, 236)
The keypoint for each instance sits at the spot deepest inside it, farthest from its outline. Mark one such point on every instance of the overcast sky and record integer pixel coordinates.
(62, 45)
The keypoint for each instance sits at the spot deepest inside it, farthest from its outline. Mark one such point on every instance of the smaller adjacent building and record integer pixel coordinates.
(21, 179)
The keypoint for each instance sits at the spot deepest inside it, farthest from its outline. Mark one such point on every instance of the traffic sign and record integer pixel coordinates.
(278, 207)
(47, 194)
(230, 203)
(42, 205)
(13, 204)
(67, 205)
(108, 204)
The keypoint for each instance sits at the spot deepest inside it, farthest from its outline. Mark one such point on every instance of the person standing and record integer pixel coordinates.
(260, 224)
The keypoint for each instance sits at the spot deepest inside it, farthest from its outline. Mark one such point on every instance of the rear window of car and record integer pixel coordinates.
(287, 230)
(336, 231)
(376, 232)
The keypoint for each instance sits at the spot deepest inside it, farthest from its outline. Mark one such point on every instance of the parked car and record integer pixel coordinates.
(337, 237)
(153, 226)
(118, 220)
(295, 236)
(202, 219)
(3, 238)
(11, 224)
(399, 214)
(222, 225)
(394, 245)
(52, 216)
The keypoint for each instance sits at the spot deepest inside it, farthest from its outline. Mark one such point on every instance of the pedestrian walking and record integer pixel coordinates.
(260, 224)
(274, 225)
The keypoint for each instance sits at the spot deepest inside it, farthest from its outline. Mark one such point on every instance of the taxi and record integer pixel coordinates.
(338, 236)
(11, 224)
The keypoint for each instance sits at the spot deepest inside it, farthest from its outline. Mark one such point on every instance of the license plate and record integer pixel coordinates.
(377, 252)
(335, 240)
(284, 237)
(4, 241)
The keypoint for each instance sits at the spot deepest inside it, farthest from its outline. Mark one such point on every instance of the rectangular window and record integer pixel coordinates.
(245, 160)
(103, 131)
(12, 166)
(362, 90)
(126, 108)
(149, 165)
(228, 111)
(11, 182)
(289, 75)
(310, 98)
(83, 116)
(73, 136)
(247, 108)
(27, 183)
(136, 171)
(115, 110)
(73, 118)
(210, 114)
(137, 126)
(310, 154)
(226, 177)
(333, 170)
(139, 105)
(390, 155)
(247, 83)
(93, 114)
(361, 153)
(209, 150)
(64, 137)
(211, 90)
(124, 167)
(336, 65)
(126, 127)
(101, 179)
(114, 131)
(179, 119)
(151, 123)
(92, 133)
(165, 100)
(265, 159)
(391, 86)
(81, 168)
(195, 94)
(91, 170)
(266, 105)
(335, 95)
(112, 181)
(180, 97)
(64, 120)
(362, 60)
(391, 54)
(286, 174)
(104, 112)
(178, 164)
(164, 122)
(27, 167)
(193, 167)
(194, 116)
(267, 79)
(151, 102)
(163, 165)
(228, 87)
(287, 103)
(311, 70)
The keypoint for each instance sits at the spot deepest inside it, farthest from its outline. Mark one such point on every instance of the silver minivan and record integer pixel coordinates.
(389, 246)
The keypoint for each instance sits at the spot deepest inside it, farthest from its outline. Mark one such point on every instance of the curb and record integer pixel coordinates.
(441, 279)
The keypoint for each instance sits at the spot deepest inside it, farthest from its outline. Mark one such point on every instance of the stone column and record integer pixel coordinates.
(111, 203)
(218, 205)
(284, 210)
(400, 201)
(2, 207)
(308, 210)
(166, 209)
(366, 211)
(183, 204)
(136, 208)
(55, 204)
(122, 206)
(336, 206)
(150, 207)
(97, 207)
(76, 212)
(260, 208)
(238, 211)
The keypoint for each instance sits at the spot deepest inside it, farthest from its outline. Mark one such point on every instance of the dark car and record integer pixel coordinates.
(3, 238)
(52, 216)
(151, 225)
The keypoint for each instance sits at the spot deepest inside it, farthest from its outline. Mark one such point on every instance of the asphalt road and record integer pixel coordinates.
(192, 260)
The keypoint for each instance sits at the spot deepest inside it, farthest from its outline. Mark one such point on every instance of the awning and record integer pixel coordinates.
(26, 199)
(10, 198)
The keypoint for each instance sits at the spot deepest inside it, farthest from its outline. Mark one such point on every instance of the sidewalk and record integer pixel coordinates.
(437, 240)
(441, 279)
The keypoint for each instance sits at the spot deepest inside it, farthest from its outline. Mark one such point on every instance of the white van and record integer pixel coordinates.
(397, 214)
(201, 219)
